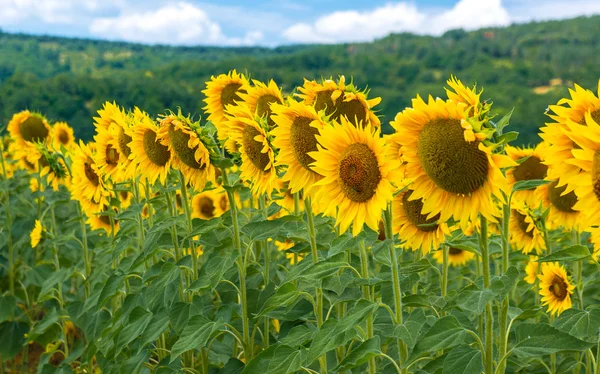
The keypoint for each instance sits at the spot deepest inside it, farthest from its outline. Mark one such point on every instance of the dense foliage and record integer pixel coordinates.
(523, 66)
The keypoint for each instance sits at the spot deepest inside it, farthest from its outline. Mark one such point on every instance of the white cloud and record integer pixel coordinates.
(398, 17)
(538, 10)
(46, 11)
(180, 23)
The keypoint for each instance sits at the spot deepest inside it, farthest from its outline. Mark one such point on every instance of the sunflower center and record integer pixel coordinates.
(33, 129)
(223, 202)
(358, 172)
(90, 173)
(523, 225)
(455, 165)
(353, 110)
(123, 141)
(179, 141)
(559, 288)
(206, 207)
(253, 148)
(123, 195)
(413, 209)
(63, 137)
(112, 155)
(454, 251)
(323, 101)
(263, 107)
(596, 174)
(532, 168)
(595, 116)
(229, 94)
(157, 153)
(303, 140)
(563, 203)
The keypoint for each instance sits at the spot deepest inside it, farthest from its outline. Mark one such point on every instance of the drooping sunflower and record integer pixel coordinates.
(562, 207)
(260, 97)
(152, 157)
(62, 135)
(356, 185)
(529, 169)
(55, 171)
(555, 287)
(419, 232)
(86, 181)
(190, 155)
(559, 152)
(525, 236)
(205, 205)
(295, 136)
(339, 99)
(532, 270)
(107, 155)
(453, 172)
(459, 93)
(258, 156)
(456, 256)
(27, 127)
(36, 234)
(221, 91)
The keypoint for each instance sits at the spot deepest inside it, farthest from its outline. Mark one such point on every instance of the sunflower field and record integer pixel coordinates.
(286, 234)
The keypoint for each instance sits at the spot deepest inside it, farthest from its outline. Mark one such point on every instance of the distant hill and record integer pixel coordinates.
(525, 66)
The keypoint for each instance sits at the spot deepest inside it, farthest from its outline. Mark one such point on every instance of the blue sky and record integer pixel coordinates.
(271, 22)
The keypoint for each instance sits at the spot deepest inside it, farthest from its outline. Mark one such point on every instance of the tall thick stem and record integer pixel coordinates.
(11, 249)
(503, 311)
(389, 234)
(445, 255)
(267, 256)
(315, 255)
(489, 317)
(364, 265)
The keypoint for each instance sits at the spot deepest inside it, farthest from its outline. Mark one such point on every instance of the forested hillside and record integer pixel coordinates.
(523, 66)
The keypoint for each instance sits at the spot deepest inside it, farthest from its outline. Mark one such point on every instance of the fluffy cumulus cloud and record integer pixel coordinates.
(47, 11)
(180, 23)
(398, 17)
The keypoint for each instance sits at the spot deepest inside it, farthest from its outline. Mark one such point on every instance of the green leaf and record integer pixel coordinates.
(360, 355)
(504, 121)
(12, 336)
(212, 272)
(286, 295)
(139, 318)
(112, 285)
(334, 333)
(417, 267)
(262, 230)
(501, 286)
(316, 272)
(582, 324)
(48, 321)
(529, 184)
(180, 314)
(411, 328)
(474, 299)
(160, 292)
(538, 339)
(8, 304)
(446, 333)
(195, 335)
(57, 277)
(463, 360)
(277, 359)
(573, 253)
(158, 324)
(298, 336)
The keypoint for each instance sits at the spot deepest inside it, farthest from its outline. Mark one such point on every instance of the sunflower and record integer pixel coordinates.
(124, 198)
(532, 270)
(62, 136)
(260, 97)
(26, 127)
(459, 93)
(555, 287)
(190, 155)
(453, 172)
(295, 136)
(101, 221)
(220, 92)
(419, 232)
(55, 171)
(561, 205)
(109, 114)
(153, 158)
(205, 205)
(108, 155)
(524, 234)
(531, 168)
(34, 185)
(595, 240)
(338, 100)
(86, 181)
(456, 256)
(285, 247)
(559, 153)
(121, 131)
(356, 175)
(258, 157)
(286, 198)
(37, 233)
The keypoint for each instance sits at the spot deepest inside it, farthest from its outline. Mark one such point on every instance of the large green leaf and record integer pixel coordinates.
(446, 333)
(360, 355)
(50, 283)
(158, 324)
(286, 295)
(195, 335)
(212, 272)
(582, 324)
(8, 304)
(162, 289)
(474, 299)
(502, 285)
(12, 336)
(529, 184)
(541, 339)
(277, 359)
(311, 272)
(463, 360)
(139, 318)
(573, 253)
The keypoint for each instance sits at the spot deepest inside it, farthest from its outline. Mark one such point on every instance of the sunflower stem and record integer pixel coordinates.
(188, 215)
(364, 264)
(248, 346)
(489, 317)
(86, 253)
(11, 249)
(60, 299)
(315, 255)
(267, 255)
(445, 254)
(296, 203)
(503, 312)
(578, 271)
(389, 234)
